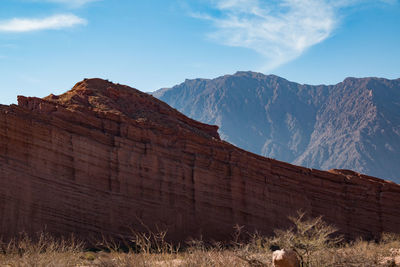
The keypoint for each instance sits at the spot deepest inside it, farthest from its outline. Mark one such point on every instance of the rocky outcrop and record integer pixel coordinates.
(354, 124)
(103, 159)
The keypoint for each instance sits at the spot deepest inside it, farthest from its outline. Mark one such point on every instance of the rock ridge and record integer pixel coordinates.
(100, 96)
(104, 158)
(354, 124)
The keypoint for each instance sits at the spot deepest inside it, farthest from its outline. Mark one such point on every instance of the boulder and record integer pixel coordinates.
(285, 258)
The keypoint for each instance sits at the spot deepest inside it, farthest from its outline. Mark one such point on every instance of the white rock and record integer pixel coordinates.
(285, 258)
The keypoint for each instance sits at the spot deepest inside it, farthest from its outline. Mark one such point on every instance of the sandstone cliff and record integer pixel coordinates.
(104, 157)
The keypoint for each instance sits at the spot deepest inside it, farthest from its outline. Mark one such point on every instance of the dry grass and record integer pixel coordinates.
(310, 238)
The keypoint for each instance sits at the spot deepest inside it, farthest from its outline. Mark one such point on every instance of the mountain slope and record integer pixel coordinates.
(351, 125)
(104, 159)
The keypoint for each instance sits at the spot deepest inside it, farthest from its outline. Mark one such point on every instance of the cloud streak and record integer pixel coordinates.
(280, 30)
(55, 22)
(76, 2)
(71, 3)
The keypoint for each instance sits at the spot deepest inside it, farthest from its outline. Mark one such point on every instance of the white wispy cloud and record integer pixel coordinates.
(280, 30)
(76, 2)
(54, 22)
(70, 3)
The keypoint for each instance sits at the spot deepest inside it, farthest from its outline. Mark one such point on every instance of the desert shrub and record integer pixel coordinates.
(316, 244)
(307, 237)
(313, 240)
(42, 250)
(151, 242)
(369, 253)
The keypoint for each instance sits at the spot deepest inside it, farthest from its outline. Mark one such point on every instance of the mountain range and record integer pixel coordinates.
(354, 124)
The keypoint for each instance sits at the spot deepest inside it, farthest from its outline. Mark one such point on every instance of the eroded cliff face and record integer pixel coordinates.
(103, 159)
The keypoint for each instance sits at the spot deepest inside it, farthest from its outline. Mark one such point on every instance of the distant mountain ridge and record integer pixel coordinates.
(353, 125)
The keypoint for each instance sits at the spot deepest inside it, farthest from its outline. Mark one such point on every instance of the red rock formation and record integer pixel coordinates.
(103, 157)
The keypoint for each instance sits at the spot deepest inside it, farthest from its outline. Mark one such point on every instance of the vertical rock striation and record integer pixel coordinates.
(104, 158)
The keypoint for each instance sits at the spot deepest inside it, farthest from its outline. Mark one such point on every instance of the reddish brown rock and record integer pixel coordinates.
(102, 158)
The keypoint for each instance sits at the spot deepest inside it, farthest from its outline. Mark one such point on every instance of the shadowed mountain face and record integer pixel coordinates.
(351, 125)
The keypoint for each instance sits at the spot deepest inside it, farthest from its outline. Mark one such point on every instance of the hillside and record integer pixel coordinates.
(353, 125)
(104, 159)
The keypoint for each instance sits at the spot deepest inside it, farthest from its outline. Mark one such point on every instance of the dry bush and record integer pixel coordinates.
(307, 237)
(316, 245)
(367, 253)
(43, 251)
(311, 238)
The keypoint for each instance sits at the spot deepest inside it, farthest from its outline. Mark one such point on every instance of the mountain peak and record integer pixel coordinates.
(247, 73)
(102, 96)
(252, 74)
(351, 125)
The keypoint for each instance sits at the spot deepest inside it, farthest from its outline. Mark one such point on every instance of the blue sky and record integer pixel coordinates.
(46, 46)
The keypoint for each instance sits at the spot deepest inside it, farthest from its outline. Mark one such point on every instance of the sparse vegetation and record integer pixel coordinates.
(313, 240)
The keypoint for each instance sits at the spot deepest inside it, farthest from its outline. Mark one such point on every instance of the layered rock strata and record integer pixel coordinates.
(103, 159)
